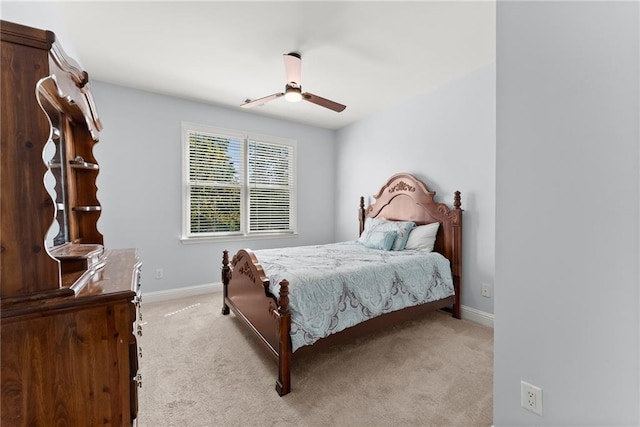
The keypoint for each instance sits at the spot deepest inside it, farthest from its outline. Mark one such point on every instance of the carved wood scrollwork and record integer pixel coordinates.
(452, 215)
(402, 186)
(246, 270)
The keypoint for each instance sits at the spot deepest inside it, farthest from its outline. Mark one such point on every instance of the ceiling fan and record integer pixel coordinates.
(293, 89)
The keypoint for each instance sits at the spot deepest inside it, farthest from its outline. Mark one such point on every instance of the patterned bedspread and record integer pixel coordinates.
(335, 286)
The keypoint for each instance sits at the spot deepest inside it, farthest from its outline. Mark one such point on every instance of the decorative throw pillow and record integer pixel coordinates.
(423, 237)
(402, 228)
(382, 240)
(368, 224)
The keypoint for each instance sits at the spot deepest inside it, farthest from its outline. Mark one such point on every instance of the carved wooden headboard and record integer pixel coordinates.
(405, 198)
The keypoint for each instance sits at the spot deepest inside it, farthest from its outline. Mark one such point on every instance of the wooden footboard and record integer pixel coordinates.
(246, 293)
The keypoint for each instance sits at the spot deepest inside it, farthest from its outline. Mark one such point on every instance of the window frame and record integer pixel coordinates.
(244, 233)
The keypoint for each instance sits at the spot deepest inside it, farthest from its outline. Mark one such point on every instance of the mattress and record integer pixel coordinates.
(336, 286)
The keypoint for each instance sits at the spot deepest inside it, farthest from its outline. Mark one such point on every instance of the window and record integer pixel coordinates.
(237, 184)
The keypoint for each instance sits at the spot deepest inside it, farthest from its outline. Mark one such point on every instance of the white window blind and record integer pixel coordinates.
(271, 186)
(237, 184)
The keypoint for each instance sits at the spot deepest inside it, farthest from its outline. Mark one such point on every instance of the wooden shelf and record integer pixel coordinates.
(83, 165)
(78, 257)
(87, 208)
(77, 251)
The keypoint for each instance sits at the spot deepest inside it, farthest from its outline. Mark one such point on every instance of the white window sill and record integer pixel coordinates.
(236, 238)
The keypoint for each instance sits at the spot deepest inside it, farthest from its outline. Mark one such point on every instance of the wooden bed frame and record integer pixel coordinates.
(246, 287)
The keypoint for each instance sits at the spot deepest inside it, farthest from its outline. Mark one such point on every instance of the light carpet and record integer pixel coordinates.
(200, 368)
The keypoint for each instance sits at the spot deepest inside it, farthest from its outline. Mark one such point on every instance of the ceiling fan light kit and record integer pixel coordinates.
(293, 94)
(293, 88)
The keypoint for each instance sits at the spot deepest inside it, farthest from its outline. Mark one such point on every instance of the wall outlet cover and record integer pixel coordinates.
(531, 397)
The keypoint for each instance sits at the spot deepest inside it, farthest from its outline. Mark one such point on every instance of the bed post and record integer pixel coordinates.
(361, 216)
(457, 255)
(283, 385)
(226, 274)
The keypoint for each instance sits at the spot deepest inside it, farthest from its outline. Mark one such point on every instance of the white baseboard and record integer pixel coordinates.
(468, 313)
(189, 291)
(477, 316)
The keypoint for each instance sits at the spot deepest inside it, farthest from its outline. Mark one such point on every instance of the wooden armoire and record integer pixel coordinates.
(69, 307)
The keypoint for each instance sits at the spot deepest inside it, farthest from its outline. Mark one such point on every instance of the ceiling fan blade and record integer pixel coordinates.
(292, 66)
(323, 102)
(249, 103)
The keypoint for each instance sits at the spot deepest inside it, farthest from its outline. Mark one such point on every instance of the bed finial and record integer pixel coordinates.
(226, 277)
(456, 200)
(361, 216)
(284, 297)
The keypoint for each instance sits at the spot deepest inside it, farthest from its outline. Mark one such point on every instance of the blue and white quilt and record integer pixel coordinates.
(336, 286)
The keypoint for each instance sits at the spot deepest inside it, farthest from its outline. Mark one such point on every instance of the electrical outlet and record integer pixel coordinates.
(531, 397)
(486, 290)
(159, 273)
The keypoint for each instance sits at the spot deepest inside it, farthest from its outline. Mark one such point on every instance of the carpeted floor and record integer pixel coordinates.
(200, 368)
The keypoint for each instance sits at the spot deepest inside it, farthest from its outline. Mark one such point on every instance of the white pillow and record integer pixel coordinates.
(423, 237)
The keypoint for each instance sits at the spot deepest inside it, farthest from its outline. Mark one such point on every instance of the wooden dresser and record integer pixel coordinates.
(69, 307)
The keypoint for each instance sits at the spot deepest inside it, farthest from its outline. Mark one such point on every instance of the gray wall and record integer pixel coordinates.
(139, 185)
(446, 138)
(567, 221)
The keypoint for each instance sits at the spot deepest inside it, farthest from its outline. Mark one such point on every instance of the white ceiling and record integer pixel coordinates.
(368, 55)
